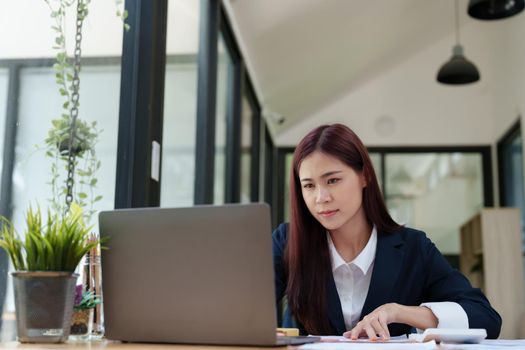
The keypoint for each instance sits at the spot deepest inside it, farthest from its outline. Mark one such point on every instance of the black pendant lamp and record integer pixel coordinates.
(494, 9)
(458, 70)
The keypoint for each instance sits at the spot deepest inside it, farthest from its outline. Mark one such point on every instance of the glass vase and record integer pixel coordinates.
(92, 279)
(81, 324)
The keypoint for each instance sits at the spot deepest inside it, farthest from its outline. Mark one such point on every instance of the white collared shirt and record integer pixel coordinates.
(352, 281)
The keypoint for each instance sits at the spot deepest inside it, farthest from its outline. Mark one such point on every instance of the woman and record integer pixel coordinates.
(346, 267)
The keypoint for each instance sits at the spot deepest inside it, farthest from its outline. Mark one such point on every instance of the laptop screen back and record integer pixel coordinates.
(202, 274)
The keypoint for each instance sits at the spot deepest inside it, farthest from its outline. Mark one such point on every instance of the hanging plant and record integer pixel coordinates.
(86, 164)
(71, 141)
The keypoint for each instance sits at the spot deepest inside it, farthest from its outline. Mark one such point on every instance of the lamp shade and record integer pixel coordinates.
(458, 70)
(494, 9)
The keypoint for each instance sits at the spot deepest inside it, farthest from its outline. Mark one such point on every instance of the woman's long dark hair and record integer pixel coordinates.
(307, 256)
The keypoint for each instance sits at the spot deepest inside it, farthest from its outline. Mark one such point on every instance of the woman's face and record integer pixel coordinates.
(332, 191)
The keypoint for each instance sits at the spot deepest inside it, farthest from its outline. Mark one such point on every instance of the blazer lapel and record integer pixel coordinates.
(387, 264)
(335, 313)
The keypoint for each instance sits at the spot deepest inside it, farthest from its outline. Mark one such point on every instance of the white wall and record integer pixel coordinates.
(510, 91)
(421, 111)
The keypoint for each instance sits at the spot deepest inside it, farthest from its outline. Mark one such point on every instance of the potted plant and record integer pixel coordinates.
(82, 320)
(71, 141)
(44, 279)
(85, 165)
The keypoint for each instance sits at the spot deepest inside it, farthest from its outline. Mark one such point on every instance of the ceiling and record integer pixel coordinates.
(304, 54)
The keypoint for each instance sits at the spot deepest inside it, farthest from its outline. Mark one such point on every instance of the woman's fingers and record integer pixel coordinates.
(378, 330)
(356, 331)
(384, 326)
(374, 325)
(371, 332)
(373, 328)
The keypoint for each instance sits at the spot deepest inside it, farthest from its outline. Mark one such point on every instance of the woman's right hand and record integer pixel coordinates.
(375, 324)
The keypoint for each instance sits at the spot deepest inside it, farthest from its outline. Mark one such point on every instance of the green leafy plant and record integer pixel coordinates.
(86, 164)
(85, 299)
(71, 141)
(55, 245)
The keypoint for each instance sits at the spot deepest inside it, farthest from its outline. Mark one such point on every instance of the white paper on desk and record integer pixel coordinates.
(340, 338)
(504, 342)
(496, 344)
(368, 345)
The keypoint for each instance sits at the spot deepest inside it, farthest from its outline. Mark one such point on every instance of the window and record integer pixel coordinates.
(39, 103)
(248, 115)
(178, 156)
(180, 104)
(288, 161)
(4, 79)
(224, 69)
(434, 192)
(510, 159)
(268, 187)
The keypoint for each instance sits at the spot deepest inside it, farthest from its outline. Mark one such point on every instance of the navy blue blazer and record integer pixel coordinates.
(409, 270)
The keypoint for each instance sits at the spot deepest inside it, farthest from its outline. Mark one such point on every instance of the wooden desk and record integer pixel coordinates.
(105, 344)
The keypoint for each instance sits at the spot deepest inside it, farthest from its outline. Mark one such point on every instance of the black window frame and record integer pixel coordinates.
(232, 190)
(143, 67)
(215, 22)
(507, 138)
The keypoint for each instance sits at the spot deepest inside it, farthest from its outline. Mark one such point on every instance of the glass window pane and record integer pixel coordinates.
(4, 80)
(246, 149)
(7, 330)
(223, 70)
(39, 103)
(265, 171)
(435, 192)
(287, 173)
(178, 156)
(512, 165)
(180, 104)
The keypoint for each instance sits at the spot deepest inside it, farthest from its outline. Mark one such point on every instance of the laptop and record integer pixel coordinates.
(196, 275)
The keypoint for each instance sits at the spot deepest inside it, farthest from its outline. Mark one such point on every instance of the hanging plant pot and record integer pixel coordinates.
(44, 304)
(78, 148)
(84, 136)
